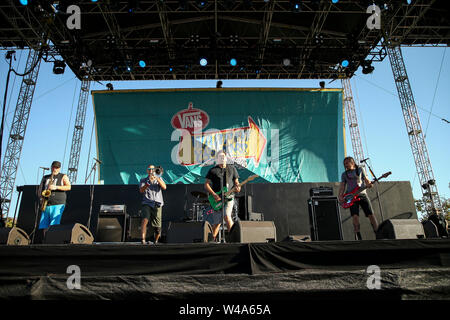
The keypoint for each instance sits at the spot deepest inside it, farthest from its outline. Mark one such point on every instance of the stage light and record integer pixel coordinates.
(24, 2)
(296, 5)
(335, 1)
(233, 62)
(93, 0)
(58, 67)
(203, 62)
(367, 67)
(201, 3)
(345, 63)
(142, 63)
(133, 5)
(110, 86)
(408, 1)
(286, 62)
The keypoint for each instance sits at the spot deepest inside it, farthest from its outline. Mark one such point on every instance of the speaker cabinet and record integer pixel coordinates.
(400, 229)
(111, 227)
(14, 236)
(325, 218)
(189, 232)
(430, 229)
(75, 233)
(253, 232)
(135, 232)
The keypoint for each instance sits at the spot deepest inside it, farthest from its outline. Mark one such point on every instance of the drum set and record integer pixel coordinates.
(199, 206)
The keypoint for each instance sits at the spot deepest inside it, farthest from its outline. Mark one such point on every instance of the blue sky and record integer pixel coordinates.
(382, 126)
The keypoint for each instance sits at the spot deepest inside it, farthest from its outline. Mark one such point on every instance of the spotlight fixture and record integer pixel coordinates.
(24, 2)
(367, 67)
(345, 63)
(286, 62)
(233, 62)
(109, 86)
(203, 62)
(142, 63)
(296, 5)
(58, 67)
(201, 3)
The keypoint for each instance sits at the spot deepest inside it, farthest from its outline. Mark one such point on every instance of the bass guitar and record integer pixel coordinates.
(351, 197)
(216, 205)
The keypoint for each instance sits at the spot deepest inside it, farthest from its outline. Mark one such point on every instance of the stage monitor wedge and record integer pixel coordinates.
(74, 233)
(253, 232)
(400, 229)
(189, 232)
(14, 236)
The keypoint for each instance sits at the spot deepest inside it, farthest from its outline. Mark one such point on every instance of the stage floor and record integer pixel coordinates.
(384, 269)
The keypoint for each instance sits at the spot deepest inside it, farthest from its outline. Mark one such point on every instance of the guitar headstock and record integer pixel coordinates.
(253, 177)
(385, 175)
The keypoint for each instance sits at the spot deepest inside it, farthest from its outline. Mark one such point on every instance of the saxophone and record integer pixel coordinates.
(46, 194)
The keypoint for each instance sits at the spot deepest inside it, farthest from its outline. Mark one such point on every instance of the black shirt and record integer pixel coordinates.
(214, 175)
(57, 196)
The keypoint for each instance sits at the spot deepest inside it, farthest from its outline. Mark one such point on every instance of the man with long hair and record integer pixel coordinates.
(353, 177)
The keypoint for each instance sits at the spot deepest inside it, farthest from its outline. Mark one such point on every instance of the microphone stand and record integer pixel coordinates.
(376, 188)
(222, 234)
(37, 206)
(92, 186)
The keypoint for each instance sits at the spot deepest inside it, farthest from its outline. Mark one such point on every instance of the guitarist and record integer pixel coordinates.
(353, 177)
(228, 175)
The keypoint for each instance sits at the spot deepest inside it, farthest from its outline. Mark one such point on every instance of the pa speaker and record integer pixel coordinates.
(400, 229)
(324, 218)
(74, 233)
(14, 236)
(189, 232)
(253, 232)
(111, 227)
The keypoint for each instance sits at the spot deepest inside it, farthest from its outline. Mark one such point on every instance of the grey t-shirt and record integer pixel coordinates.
(354, 178)
(153, 194)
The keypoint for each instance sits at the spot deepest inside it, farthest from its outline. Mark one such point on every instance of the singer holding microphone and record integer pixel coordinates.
(55, 185)
(152, 202)
(354, 176)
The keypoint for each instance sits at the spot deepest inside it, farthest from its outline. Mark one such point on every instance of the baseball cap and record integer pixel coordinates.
(56, 164)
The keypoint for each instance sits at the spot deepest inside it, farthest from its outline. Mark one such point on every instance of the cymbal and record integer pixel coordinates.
(198, 194)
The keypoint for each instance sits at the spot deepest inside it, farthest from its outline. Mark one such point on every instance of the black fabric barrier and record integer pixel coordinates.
(210, 258)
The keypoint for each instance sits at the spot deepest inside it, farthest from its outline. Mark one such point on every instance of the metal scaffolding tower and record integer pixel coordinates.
(78, 130)
(18, 128)
(414, 129)
(358, 152)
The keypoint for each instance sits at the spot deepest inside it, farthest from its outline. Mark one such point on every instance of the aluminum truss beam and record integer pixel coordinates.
(18, 129)
(414, 130)
(78, 130)
(358, 152)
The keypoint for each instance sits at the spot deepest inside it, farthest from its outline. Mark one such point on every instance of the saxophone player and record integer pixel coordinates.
(54, 196)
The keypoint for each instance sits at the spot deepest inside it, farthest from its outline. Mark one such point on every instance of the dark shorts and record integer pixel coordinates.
(152, 214)
(364, 203)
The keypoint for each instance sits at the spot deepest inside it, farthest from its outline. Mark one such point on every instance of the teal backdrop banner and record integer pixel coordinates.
(281, 135)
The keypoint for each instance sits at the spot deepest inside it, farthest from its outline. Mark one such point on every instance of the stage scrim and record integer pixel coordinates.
(282, 135)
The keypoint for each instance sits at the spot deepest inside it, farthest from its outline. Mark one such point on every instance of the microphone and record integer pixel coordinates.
(364, 160)
(44, 168)
(99, 162)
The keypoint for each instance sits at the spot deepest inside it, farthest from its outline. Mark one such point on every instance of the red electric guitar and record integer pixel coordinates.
(351, 197)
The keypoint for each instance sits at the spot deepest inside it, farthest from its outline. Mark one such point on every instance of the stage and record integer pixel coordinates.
(212, 272)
